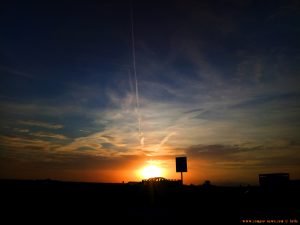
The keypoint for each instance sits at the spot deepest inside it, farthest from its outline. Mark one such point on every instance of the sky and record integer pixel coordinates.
(217, 82)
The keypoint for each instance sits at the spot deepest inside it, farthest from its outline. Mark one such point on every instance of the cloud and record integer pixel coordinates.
(25, 144)
(21, 130)
(247, 156)
(98, 144)
(15, 72)
(40, 124)
(251, 68)
(70, 166)
(42, 107)
(49, 135)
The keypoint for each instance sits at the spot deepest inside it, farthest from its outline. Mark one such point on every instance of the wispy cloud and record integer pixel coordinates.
(242, 156)
(15, 72)
(25, 144)
(49, 135)
(40, 124)
(112, 142)
(21, 130)
(41, 107)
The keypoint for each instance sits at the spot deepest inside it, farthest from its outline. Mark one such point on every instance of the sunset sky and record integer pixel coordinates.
(218, 82)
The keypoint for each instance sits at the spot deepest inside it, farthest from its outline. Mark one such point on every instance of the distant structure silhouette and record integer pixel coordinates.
(207, 183)
(274, 180)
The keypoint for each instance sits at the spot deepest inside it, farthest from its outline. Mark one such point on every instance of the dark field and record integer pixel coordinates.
(54, 202)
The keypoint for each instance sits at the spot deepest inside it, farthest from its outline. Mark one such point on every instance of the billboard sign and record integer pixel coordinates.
(181, 165)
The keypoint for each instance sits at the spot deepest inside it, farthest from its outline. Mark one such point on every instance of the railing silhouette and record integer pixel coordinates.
(160, 180)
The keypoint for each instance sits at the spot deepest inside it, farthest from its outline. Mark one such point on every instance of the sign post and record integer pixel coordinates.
(181, 166)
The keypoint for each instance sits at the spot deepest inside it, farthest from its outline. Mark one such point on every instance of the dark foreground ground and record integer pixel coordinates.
(53, 202)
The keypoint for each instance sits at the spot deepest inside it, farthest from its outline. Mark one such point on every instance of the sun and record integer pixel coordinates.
(151, 171)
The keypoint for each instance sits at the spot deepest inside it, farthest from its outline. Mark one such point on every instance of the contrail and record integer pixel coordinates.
(166, 138)
(141, 136)
(132, 89)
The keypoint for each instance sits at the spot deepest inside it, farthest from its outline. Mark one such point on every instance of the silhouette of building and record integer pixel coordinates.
(274, 180)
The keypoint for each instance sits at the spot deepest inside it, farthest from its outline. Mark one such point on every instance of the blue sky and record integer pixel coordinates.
(218, 81)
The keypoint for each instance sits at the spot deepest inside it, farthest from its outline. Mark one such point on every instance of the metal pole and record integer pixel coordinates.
(181, 179)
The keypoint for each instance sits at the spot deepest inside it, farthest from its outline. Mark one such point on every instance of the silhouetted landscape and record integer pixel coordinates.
(147, 203)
